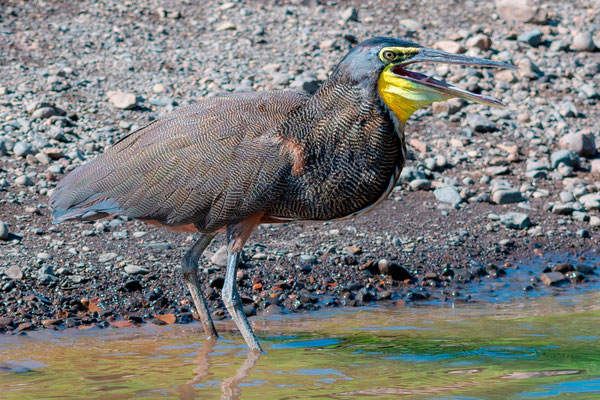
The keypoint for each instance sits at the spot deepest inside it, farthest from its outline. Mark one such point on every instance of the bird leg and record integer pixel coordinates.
(190, 277)
(236, 237)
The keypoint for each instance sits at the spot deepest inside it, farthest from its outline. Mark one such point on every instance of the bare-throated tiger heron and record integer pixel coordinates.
(230, 163)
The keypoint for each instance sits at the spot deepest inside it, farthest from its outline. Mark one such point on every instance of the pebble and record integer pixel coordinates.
(532, 37)
(14, 272)
(225, 26)
(411, 25)
(595, 221)
(581, 143)
(553, 278)
(449, 46)
(122, 100)
(350, 14)
(507, 196)
(24, 180)
(567, 157)
(520, 10)
(582, 41)
(106, 257)
(131, 269)
(307, 259)
(4, 234)
(22, 149)
(448, 194)
(480, 124)
(515, 220)
(219, 259)
(590, 201)
(479, 41)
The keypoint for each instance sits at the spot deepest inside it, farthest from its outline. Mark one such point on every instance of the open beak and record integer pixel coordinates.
(442, 88)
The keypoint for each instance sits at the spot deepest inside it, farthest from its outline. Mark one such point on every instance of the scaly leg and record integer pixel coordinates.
(236, 237)
(190, 277)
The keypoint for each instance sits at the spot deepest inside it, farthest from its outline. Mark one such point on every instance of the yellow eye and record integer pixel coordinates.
(388, 55)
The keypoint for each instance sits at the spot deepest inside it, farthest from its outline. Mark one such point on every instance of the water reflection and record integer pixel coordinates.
(230, 386)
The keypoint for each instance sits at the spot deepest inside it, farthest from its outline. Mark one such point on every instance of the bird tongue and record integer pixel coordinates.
(445, 89)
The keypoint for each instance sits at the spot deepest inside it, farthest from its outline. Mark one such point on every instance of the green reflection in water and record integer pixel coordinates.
(538, 349)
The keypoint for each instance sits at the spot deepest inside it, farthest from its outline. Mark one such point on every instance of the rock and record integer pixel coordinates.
(350, 14)
(122, 100)
(584, 269)
(583, 41)
(4, 231)
(581, 143)
(595, 166)
(353, 250)
(506, 75)
(135, 270)
(507, 196)
(553, 278)
(568, 110)
(481, 124)
(515, 220)
(562, 209)
(307, 259)
(532, 37)
(132, 286)
(595, 221)
(567, 157)
(411, 25)
(449, 46)
(329, 44)
(47, 112)
(479, 41)
(420, 184)
(23, 180)
(219, 259)
(4, 322)
(22, 149)
(528, 69)
(448, 194)
(106, 257)
(397, 272)
(307, 82)
(14, 272)
(583, 233)
(225, 26)
(520, 10)
(590, 201)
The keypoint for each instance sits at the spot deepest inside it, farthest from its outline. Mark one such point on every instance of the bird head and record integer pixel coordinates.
(383, 63)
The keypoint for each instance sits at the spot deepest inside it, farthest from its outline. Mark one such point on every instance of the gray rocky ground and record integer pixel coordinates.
(484, 187)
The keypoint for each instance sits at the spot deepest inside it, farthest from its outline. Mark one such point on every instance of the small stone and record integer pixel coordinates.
(481, 124)
(4, 234)
(567, 157)
(353, 250)
(328, 44)
(562, 209)
(225, 26)
(581, 143)
(350, 14)
(479, 41)
(584, 269)
(515, 220)
(528, 69)
(122, 100)
(47, 112)
(583, 233)
(448, 194)
(532, 37)
(22, 149)
(583, 41)
(553, 278)
(411, 25)
(159, 88)
(420, 184)
(23, 181)
(507, 75)
(590, 201)
(219, 259)
(595, 221)
(307, 259)
(135, 270)
(520, 10)
(397, 272)
(563, 267)
(449, 46)
(595, 166)
(507, 196)
(106, 257)
(14, 272)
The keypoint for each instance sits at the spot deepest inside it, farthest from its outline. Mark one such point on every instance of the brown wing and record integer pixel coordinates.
(208, 164)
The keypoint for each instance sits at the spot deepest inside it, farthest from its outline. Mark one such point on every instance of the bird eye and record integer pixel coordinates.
(388, 55)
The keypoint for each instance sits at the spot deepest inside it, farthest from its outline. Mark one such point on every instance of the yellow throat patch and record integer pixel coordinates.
(403, 96)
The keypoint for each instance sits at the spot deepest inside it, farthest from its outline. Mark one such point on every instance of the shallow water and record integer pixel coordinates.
(547, 347)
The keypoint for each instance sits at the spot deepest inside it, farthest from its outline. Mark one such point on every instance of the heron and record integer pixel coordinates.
(231, 162)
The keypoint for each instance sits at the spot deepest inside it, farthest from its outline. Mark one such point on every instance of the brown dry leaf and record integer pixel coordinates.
(166, 318)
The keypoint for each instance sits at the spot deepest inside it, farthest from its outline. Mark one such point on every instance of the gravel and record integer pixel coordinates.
(81, 75)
